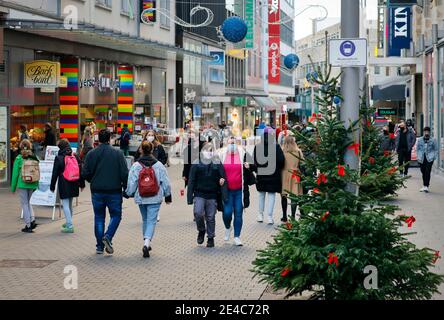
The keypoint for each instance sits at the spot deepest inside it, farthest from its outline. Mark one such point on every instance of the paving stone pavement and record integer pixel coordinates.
(178, 268)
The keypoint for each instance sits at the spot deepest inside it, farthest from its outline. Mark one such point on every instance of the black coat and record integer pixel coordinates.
(268, 182)
(189, 157)
(67, 189)
(50, 138)
(158, 153)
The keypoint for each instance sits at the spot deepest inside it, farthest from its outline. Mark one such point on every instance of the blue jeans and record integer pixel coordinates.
(149, 214)
(67, 210)
(233, 204)
(100, 202)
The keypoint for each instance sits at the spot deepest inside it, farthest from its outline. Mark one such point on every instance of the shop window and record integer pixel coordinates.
(128, 7)
(164, 21)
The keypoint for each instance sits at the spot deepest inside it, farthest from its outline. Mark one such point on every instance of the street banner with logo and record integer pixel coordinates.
(399, 30)
(249, 20)
(274, 41)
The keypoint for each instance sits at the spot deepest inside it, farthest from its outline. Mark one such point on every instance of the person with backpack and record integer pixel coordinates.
(107, 171)
(207, 183)
(25, 180)
(124, 139)
(67, 168)
(148, 183)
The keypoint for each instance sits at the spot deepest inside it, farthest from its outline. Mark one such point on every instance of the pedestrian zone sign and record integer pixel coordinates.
(347, 52)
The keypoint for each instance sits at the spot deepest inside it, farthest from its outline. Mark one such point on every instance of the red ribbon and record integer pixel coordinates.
(436, 257)
(296, 176)
(392, 170)
(392, 136)
(410, 221)
(354, 147)
(386, 153)
(325, 215)
(341, 170)
(285, 272)
(322, 179)
(316, 190)
(371, 160)
(289, 226)
(333, 258)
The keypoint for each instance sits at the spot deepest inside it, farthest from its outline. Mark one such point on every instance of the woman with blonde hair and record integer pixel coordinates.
(158, 151)
(25, 185)
(87, 143)
(291, 184)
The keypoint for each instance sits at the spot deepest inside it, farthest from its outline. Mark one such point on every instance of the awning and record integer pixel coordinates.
(391, 93)
(266, 102)
(94, 35)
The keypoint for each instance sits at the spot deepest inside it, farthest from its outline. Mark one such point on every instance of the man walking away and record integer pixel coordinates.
(125, 140)
(427, 152)
(106, 169)
(405, 140)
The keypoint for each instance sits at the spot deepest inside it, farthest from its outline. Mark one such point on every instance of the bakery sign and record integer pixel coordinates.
(41, 74)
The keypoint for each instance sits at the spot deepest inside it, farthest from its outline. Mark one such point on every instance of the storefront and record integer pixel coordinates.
(142, 99)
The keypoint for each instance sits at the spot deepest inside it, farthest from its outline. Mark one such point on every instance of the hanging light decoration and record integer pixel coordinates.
(234, 29)
(291, 61)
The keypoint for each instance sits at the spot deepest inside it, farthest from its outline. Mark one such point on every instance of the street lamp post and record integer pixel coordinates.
(350, 81)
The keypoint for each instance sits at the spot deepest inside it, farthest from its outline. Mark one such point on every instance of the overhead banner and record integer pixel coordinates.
(399, 30)
(274, 42)
(249, 20)
(148, 16)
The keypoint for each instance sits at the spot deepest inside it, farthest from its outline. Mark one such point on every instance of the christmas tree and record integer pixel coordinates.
(375, 160)
(343, 238)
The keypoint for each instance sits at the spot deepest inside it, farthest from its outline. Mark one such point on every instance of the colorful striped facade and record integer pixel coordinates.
(125, 98)
(69, 102)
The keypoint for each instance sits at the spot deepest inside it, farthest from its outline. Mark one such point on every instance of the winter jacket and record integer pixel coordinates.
(67, 189)
(292, 163)
(50, 138)
(411, 139)
(248, 178)
(427, 148)
(269, 171)
(160, 171)
(158, 153)
(86, 147)
(106, 169)
(16, 181)
(204, 181)
(190, 156)
(124, 138)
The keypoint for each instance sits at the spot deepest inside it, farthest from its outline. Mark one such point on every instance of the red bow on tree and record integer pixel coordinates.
(322, 179)
(371, 160)
(316, 190)
(325, 215)
(355, 148)
(313, 117)
(392, 170)
(386, 153)
(289, 226)
(410, 221)
(341, 170)
(436, 256)
(296, 176)
(333, 258)
(285, 272)
(392, 136)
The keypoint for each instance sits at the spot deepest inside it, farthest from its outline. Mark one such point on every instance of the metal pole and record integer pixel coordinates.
(350, 81)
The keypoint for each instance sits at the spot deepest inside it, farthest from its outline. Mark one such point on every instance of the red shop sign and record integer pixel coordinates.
(274, 40)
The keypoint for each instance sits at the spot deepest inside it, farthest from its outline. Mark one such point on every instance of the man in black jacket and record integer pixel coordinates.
(107, 171)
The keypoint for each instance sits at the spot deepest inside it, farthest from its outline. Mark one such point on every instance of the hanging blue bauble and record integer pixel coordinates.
(308, 77)
(315, 75)
(337, 100)
(234, 29)
(291, 61)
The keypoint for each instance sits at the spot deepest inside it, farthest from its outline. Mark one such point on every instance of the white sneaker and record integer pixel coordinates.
(422, 189)
(260, 217)
(426, 189)
(158, 218)
(270, 220)
(237, 242)
(227, 234)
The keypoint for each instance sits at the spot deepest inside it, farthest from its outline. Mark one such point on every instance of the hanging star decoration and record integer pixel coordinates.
(285, 272)
(325, 216)
(355, 148)
(410, 221)
(341, 170)
(322, 179)
(333, 258)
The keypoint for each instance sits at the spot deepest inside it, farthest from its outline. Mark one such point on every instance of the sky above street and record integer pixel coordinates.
(303, 22)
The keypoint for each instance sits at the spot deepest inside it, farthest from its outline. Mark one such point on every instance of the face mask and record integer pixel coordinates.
(150, 138)
(232, 147)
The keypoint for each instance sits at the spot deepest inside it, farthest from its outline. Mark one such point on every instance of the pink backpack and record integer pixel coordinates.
(72, 170)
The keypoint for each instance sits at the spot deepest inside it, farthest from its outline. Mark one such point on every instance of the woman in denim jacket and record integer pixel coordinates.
(426, 152)
(149, 206)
